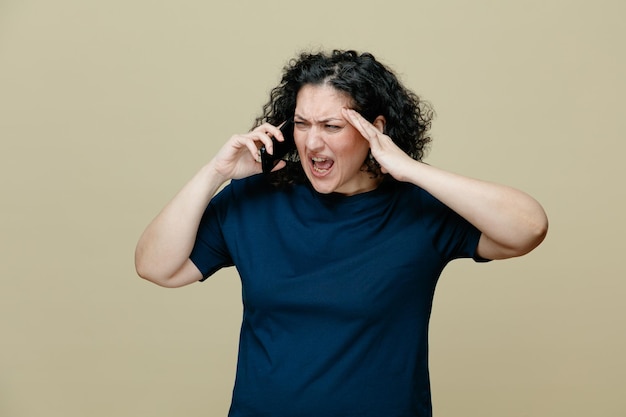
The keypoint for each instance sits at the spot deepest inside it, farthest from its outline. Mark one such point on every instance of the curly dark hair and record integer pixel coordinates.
(374, 89)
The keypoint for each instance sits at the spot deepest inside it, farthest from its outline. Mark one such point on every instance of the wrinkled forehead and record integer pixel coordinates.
(321, 101)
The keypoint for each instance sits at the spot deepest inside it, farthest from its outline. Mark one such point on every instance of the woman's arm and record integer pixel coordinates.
(512, 223)
(162, 252)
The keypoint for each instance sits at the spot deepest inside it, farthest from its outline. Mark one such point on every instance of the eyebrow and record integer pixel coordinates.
(329, 119)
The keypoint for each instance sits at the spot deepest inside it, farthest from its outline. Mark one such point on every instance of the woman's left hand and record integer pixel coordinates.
(390, 157)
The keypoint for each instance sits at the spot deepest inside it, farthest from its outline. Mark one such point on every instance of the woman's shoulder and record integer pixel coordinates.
(257, 189)
(249, 184)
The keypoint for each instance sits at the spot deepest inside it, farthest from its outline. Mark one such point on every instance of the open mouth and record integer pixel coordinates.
(321, 165)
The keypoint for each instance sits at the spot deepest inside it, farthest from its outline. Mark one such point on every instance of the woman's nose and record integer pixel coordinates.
(314, 140)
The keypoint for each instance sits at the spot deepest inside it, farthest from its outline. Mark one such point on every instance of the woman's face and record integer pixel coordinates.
(332, 151)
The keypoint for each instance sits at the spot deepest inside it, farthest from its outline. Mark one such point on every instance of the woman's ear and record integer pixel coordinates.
(379, 123)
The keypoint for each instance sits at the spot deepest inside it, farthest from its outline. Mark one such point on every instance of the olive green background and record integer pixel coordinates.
(108, 107)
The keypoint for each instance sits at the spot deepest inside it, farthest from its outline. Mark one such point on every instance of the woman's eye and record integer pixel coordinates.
(332, 127)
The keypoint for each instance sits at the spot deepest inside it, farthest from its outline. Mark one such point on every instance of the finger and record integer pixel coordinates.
(367, 130)
(252, 141)
(255, 152)
(261, 138)
(267, 133)
(271, 131)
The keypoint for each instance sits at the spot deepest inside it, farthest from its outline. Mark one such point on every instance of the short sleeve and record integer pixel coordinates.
(210, 252)
(452, 235)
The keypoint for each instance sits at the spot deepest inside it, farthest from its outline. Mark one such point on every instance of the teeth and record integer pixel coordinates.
(323, 162)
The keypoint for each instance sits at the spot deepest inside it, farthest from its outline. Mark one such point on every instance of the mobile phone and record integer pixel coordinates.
(269, 161)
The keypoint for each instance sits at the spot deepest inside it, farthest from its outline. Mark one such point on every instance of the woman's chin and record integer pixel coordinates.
(322, 187)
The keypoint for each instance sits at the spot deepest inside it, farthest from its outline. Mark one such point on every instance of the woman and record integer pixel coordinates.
(339, 249)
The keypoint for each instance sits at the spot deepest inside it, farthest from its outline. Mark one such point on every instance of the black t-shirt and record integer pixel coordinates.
(337, 294)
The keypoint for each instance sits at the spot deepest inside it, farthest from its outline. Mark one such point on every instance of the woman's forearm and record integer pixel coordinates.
(512, 222)
(166, 243)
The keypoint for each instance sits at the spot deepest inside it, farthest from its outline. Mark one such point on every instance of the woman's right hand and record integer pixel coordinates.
(240, 156)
